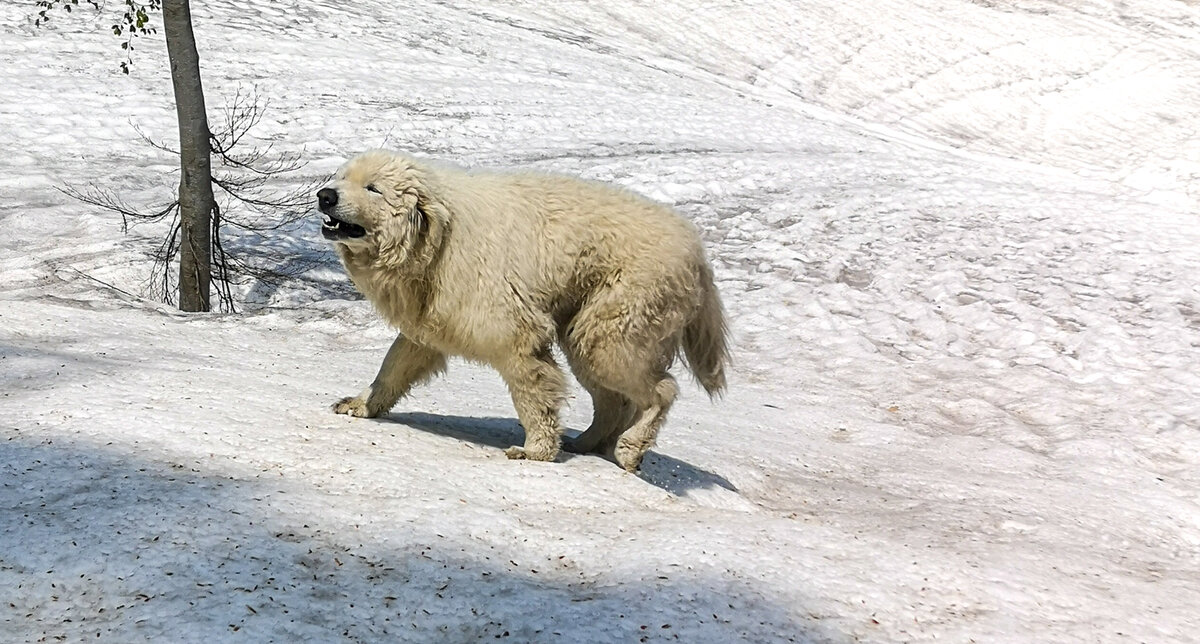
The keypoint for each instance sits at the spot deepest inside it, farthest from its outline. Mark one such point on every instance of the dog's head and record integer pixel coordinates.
(380, 203)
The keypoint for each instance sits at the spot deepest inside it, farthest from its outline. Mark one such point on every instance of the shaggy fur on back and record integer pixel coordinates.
(496, 267)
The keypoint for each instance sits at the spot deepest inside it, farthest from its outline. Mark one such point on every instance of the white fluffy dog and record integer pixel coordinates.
(496, 267)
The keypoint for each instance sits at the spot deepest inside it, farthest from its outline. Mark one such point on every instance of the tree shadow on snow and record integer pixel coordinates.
(28, 366)
(666, 472)
(120, 544)
(300, 261)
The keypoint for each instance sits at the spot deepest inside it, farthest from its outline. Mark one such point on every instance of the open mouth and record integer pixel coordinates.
(335, 229)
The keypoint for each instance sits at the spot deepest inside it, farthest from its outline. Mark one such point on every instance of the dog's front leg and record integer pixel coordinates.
(405, 365)
(538, 388)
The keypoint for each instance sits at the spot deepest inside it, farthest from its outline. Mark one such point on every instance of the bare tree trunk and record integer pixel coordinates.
(196, 202)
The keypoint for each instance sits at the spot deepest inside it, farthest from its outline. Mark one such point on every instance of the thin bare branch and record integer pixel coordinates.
(151, 142)
(249, 210)
(107, 200)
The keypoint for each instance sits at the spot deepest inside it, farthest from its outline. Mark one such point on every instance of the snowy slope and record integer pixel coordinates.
(957, 240)
(1081, 84)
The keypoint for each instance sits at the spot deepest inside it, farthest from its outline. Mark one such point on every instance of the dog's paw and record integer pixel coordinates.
(352, 406)
(584, 444)
(629, 457)
(518, 453)
(575, 446)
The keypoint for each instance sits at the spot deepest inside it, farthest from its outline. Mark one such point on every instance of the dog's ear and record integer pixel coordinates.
(428, 222)
(399, 237)
(418, 221)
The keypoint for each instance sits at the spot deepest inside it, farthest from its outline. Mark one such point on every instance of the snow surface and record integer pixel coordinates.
(958, 242)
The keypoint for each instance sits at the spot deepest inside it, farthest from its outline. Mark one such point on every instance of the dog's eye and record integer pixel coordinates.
(371, 187)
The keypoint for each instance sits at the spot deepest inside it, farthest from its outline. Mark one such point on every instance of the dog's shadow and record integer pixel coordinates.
(666, 472)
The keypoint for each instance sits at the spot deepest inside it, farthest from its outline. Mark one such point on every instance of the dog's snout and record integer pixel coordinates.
(326, 198)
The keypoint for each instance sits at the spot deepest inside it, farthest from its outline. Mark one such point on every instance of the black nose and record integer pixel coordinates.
(326, 199)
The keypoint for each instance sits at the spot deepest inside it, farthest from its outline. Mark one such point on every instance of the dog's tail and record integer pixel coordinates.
(705, 338)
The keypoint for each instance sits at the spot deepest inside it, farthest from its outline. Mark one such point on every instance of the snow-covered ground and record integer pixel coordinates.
(958, 242)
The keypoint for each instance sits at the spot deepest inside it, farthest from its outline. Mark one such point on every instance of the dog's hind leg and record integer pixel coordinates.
(612, 413)
(626, 427)
(652, 412)
(538, 388)
(405, 365)
(623, 341)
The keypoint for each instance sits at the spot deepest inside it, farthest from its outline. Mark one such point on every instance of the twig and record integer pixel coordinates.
(101, 282)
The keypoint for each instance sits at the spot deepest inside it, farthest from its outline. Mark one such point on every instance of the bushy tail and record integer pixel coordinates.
(705, 338)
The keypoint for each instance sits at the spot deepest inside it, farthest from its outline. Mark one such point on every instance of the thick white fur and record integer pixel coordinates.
(496, 267)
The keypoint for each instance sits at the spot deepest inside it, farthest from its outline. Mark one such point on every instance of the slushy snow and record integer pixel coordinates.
(957, 241)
